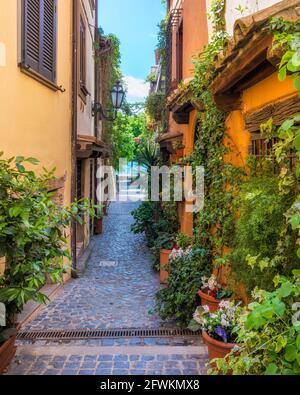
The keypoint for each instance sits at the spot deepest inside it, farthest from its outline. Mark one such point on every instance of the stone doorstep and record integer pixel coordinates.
(32, 309)
(114, 350)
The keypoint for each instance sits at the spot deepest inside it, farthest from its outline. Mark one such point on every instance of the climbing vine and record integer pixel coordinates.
(270, 331)
(214, 224)
(108, 56)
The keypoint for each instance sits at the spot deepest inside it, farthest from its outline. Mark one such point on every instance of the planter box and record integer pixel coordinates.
(7, 352)
(216, 348)
(164, 260)
(179, 153)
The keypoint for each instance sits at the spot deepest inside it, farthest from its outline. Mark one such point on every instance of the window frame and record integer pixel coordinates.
(36, 71)
(179, 52)
(82, 59)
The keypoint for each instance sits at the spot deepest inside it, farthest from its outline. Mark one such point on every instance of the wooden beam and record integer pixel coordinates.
(228, 102)
(279, 111)
(247, 59)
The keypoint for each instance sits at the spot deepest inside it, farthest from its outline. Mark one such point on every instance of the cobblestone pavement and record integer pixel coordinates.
(116, 291)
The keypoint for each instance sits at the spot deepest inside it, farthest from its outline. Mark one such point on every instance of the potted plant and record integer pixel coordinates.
(219, 328)
(212, 292)
(180, 249)
(32, 240)
(167, 244)
(179, 147)
(98, 223)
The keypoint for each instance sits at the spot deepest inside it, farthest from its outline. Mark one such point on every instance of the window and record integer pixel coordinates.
(179, 53)
(82, 57)
(39, 37)
(262, 148)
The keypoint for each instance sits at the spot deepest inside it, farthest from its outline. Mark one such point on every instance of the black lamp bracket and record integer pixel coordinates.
(98, 108)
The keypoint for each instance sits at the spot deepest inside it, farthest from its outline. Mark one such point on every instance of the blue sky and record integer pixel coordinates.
(135, 23)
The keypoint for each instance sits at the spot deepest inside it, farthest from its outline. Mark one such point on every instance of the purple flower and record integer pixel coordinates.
(220, 331)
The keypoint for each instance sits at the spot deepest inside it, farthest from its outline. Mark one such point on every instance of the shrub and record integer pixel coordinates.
(269, 334)
(260, 251)
(156, 106)
(179, 299)
(159, 221)
(32, 233)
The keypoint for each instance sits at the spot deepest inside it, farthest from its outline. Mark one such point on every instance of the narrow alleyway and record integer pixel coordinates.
(116, 291)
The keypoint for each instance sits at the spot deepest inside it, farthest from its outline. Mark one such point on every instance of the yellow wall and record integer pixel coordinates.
(261, 94)
(35, 120)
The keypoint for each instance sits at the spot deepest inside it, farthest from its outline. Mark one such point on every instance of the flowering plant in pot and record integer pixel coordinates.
(32, 240)
(167, 245)
(212, 292)
(219, 328)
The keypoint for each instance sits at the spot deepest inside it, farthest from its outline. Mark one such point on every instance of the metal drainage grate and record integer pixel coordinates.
(102, 333)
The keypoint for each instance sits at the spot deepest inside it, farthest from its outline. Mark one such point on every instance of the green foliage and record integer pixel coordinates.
(110, 63)
(183, 241)
(155, 107)
(162, 42)
(148, 154)
(259, 231)
(32, 233)
(221, 179)
(287, 39)
(269, 334)
(125, 129)
(159, 221)
(180, 299)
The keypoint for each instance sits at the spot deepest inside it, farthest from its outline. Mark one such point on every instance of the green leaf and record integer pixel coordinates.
(298, 342)
(271, 370)
(290, 353)
(20, 167)
(295, 60)
(15, 211)
(285, 290)
(282, 73)
(296, 142)
(297, 84)
(287, 124)
(33, 161)
(279, 307)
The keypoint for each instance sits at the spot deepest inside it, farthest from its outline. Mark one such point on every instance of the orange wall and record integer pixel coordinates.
(195, 37)
(261, 94)
(195, 32)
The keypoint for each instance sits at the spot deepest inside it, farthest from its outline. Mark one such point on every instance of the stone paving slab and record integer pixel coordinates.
(117, 290)
(109, 361)
(109, 342)
(119, 296)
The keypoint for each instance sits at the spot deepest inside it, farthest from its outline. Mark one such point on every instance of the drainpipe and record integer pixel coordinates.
(74, 131)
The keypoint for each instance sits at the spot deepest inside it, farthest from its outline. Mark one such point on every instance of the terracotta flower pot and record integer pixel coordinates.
(179, 153)
(209, 301)
(98, 226)
(7, 352)
(216, 348)
(164, 260)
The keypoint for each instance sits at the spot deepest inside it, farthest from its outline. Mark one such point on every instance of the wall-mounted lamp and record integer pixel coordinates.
(117, 96)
